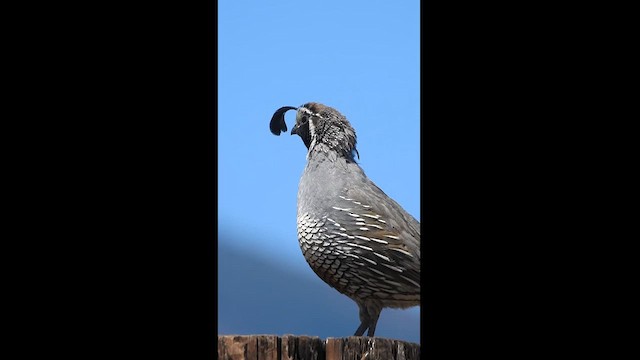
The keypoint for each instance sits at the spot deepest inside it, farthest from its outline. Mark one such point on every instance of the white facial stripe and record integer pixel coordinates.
(312, 132)
(312, 128)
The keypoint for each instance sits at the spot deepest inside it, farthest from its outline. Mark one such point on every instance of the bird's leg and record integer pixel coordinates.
(361, 329)
(364, 320)
(373, 320)
(369, 315)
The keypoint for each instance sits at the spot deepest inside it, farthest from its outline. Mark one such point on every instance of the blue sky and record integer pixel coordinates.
(360, 57)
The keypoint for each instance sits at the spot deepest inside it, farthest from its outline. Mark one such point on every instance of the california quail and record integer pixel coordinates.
(355, 238)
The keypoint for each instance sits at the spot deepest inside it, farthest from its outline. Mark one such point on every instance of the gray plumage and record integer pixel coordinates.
(355, 238)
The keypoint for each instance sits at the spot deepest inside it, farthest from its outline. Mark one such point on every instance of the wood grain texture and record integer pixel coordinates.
(249, 347)
(302, 348)
(292, 347)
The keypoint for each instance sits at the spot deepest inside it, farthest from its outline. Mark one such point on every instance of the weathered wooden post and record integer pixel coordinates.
(290, 347)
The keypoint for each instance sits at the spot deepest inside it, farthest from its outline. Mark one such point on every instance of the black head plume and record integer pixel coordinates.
(277, 124)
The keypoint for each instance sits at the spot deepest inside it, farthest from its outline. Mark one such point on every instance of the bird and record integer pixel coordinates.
(354, 237)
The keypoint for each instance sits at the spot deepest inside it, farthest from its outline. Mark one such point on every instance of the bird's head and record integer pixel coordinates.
(319, 125)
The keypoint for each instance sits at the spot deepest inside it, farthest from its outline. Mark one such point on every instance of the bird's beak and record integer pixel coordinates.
(294, 131)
